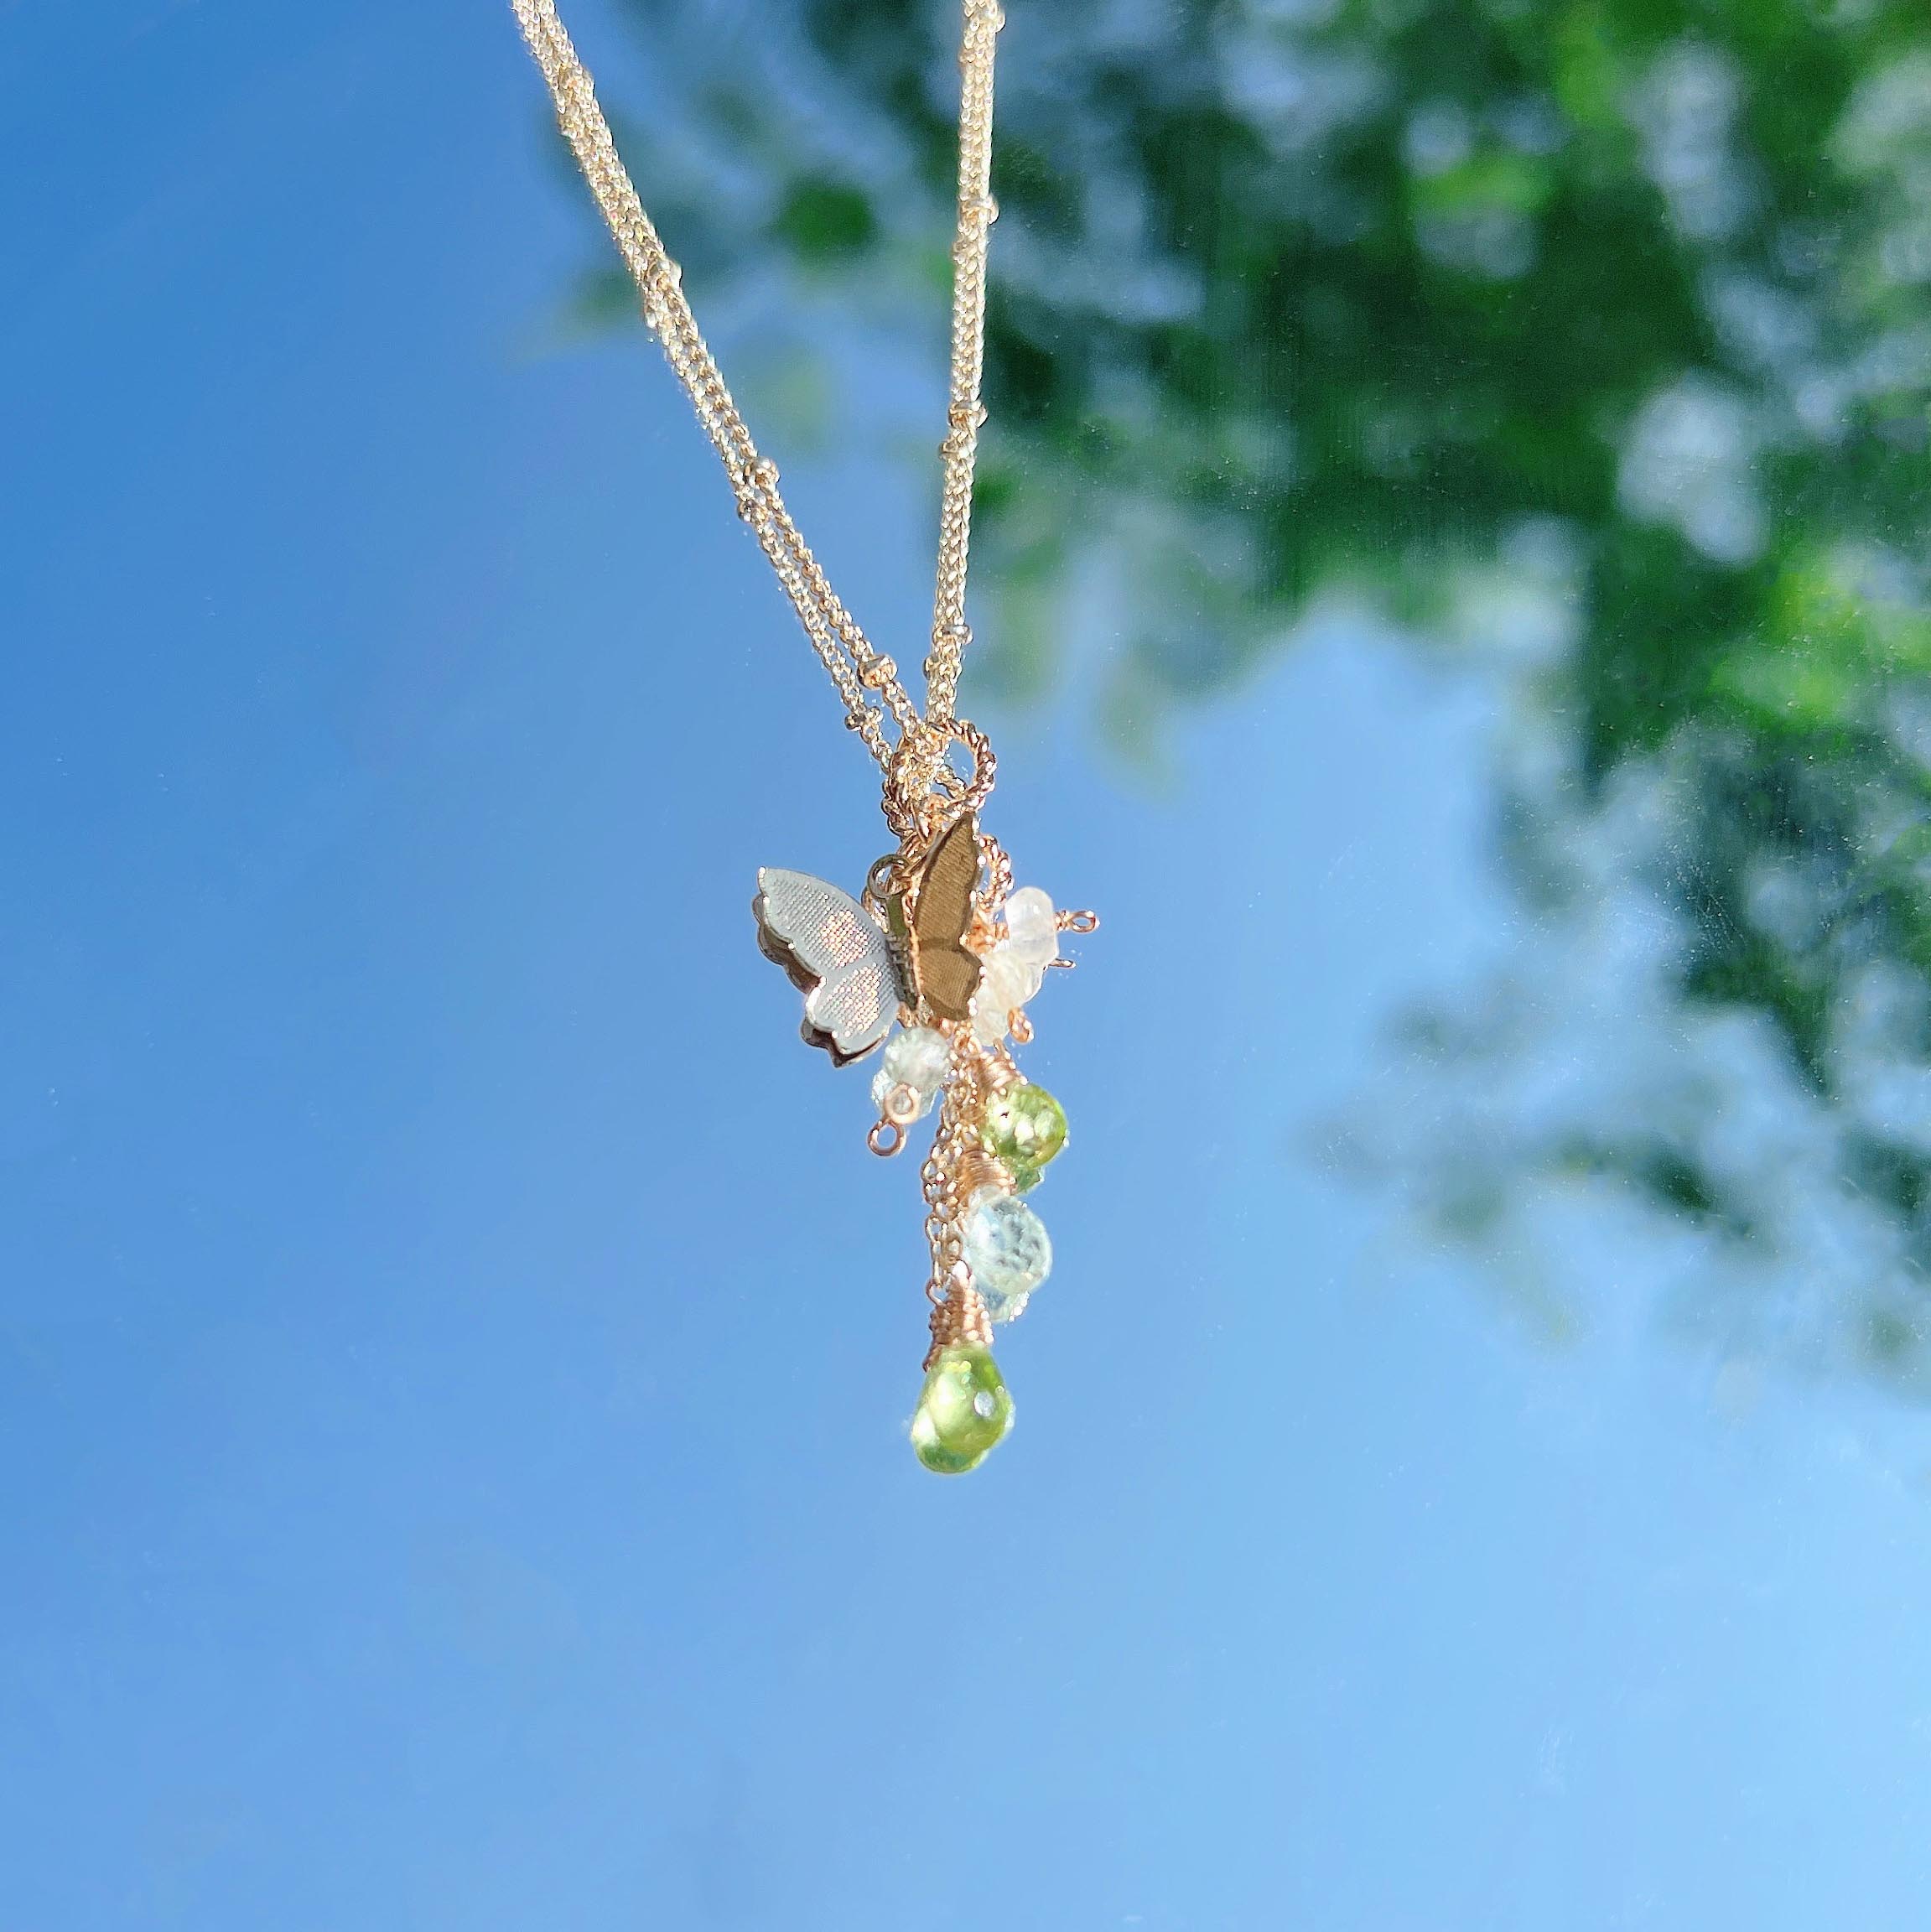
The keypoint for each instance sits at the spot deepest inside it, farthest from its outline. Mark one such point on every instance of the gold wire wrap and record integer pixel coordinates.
(960, 1318)
(977, 1169)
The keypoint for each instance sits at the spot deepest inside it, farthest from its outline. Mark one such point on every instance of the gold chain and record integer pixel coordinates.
(964, 414)
(856, 668)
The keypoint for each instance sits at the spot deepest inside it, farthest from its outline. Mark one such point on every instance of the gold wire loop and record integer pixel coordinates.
(887, 1139)
(985, 763)
(923, 794)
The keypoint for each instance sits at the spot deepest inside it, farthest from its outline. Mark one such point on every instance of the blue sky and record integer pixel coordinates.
(454, 1346)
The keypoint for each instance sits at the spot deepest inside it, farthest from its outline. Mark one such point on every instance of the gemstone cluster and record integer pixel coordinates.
(1014, 1130)
(937, 962)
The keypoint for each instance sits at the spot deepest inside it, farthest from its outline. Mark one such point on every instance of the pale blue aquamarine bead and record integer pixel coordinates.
(918, 1056)
(916, 1059)
(1007, 1250)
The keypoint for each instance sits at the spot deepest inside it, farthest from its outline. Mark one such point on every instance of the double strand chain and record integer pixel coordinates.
(909, 746)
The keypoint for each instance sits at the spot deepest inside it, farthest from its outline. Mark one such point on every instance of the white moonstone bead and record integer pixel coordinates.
(917, 1057)
(1007, 1250)
(1005, 983)
(1009, 981)
(1032, 926)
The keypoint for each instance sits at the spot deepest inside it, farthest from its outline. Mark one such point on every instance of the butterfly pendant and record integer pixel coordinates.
(856, 971)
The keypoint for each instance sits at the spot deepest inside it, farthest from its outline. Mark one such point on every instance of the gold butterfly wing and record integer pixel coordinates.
(943, 970)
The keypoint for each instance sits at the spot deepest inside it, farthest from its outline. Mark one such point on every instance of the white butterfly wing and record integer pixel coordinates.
(836, 954)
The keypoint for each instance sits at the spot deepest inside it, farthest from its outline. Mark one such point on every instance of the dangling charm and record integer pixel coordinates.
(1007, 1250)
(963, 1412)
(940, 940)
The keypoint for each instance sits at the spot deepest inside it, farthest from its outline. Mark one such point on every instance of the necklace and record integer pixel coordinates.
(938, 951)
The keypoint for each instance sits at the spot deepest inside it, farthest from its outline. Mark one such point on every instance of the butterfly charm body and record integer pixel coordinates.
(857, 972)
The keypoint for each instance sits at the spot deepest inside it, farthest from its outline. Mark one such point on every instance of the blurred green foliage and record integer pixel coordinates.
(1412, 301)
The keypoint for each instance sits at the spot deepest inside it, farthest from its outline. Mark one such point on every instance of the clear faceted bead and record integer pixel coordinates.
(917, 1057)
(1007, 1250)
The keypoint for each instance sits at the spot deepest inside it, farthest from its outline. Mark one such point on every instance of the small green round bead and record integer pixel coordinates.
(963, 1411)
(1023, 1128)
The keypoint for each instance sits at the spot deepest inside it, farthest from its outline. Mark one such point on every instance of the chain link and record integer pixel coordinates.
(858, 672)
(964, 414)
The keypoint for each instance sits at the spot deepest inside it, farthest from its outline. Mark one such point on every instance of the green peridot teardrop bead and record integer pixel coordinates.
(963, 1411)
(1023, 1128)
